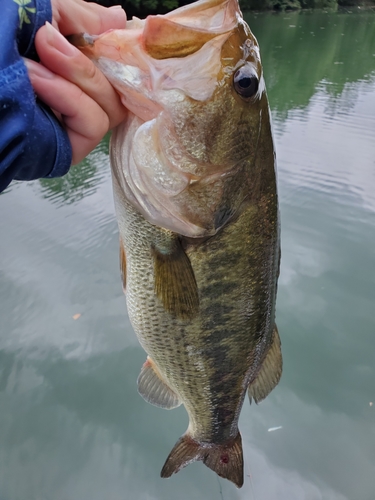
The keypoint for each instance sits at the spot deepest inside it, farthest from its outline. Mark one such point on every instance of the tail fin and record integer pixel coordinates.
(224, 459)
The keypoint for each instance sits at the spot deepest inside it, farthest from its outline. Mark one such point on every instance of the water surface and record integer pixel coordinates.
(72, 426)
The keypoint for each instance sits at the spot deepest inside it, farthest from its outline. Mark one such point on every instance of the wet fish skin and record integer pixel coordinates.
(200, 279)
(210, 360)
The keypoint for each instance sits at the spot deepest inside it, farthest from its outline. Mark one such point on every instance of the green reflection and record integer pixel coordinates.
(302, 50)
(82, 180)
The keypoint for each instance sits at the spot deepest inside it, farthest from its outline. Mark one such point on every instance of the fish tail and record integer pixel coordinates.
(224, 459)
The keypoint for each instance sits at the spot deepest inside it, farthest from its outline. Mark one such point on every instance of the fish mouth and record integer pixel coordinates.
(180, 51)
(162, 67)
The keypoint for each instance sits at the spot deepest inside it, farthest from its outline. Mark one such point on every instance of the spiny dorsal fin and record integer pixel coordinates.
(175, 283)
(123, 265)
(154, 389)
(270, 371)
(224, 459)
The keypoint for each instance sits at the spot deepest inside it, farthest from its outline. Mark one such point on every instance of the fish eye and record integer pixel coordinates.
(246, 82)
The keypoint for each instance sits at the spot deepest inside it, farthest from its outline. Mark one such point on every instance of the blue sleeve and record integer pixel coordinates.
(33, 144)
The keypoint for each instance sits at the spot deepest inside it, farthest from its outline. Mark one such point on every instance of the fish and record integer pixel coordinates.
(194, 182)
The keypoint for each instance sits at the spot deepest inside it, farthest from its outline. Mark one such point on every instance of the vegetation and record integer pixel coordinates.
(312, 53)
(282, 5)
(141, 8)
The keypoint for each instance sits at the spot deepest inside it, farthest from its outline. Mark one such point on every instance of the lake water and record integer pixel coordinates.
(72, 426)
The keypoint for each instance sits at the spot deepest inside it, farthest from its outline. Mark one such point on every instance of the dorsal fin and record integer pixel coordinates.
(270, 372)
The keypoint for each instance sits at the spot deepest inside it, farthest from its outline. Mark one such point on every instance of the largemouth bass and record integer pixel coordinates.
(196, 201)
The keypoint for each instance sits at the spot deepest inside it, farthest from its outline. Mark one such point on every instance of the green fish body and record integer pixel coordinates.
(196, 201)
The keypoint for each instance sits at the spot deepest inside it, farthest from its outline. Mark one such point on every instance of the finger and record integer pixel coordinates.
(62, 58)
(77, 16)
(85, 121)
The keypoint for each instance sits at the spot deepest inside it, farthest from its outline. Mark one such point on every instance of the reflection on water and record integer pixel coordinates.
(72, 426)
(302, 50)
(80, 182)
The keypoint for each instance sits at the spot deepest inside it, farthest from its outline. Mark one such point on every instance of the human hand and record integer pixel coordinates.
(68, 82)
(70, 17)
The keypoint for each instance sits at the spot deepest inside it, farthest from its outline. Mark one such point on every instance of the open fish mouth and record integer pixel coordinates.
(194, 181)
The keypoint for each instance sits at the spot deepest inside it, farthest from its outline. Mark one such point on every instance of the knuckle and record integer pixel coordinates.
(91, 72)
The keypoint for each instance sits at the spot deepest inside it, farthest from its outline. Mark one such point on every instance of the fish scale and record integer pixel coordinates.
(220, 334)
(194, 182)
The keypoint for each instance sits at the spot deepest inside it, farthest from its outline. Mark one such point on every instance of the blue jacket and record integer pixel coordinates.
(33, 144)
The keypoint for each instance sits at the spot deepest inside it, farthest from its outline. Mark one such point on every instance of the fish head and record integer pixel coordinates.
(193, 81)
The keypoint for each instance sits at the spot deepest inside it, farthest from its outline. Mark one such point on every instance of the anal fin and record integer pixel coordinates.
(270, 372)
(154, 389)
(175, 283)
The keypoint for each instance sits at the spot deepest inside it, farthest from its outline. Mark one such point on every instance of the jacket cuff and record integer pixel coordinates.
(32, 16)
(63, 158)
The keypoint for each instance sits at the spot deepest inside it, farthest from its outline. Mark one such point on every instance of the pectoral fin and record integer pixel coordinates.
(269, 373)
(154, 389)
(123, 265)
(175, 283)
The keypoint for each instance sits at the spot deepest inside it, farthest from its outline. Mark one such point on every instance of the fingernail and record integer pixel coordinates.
(36, 69)
(59, 42)
(115, 7)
